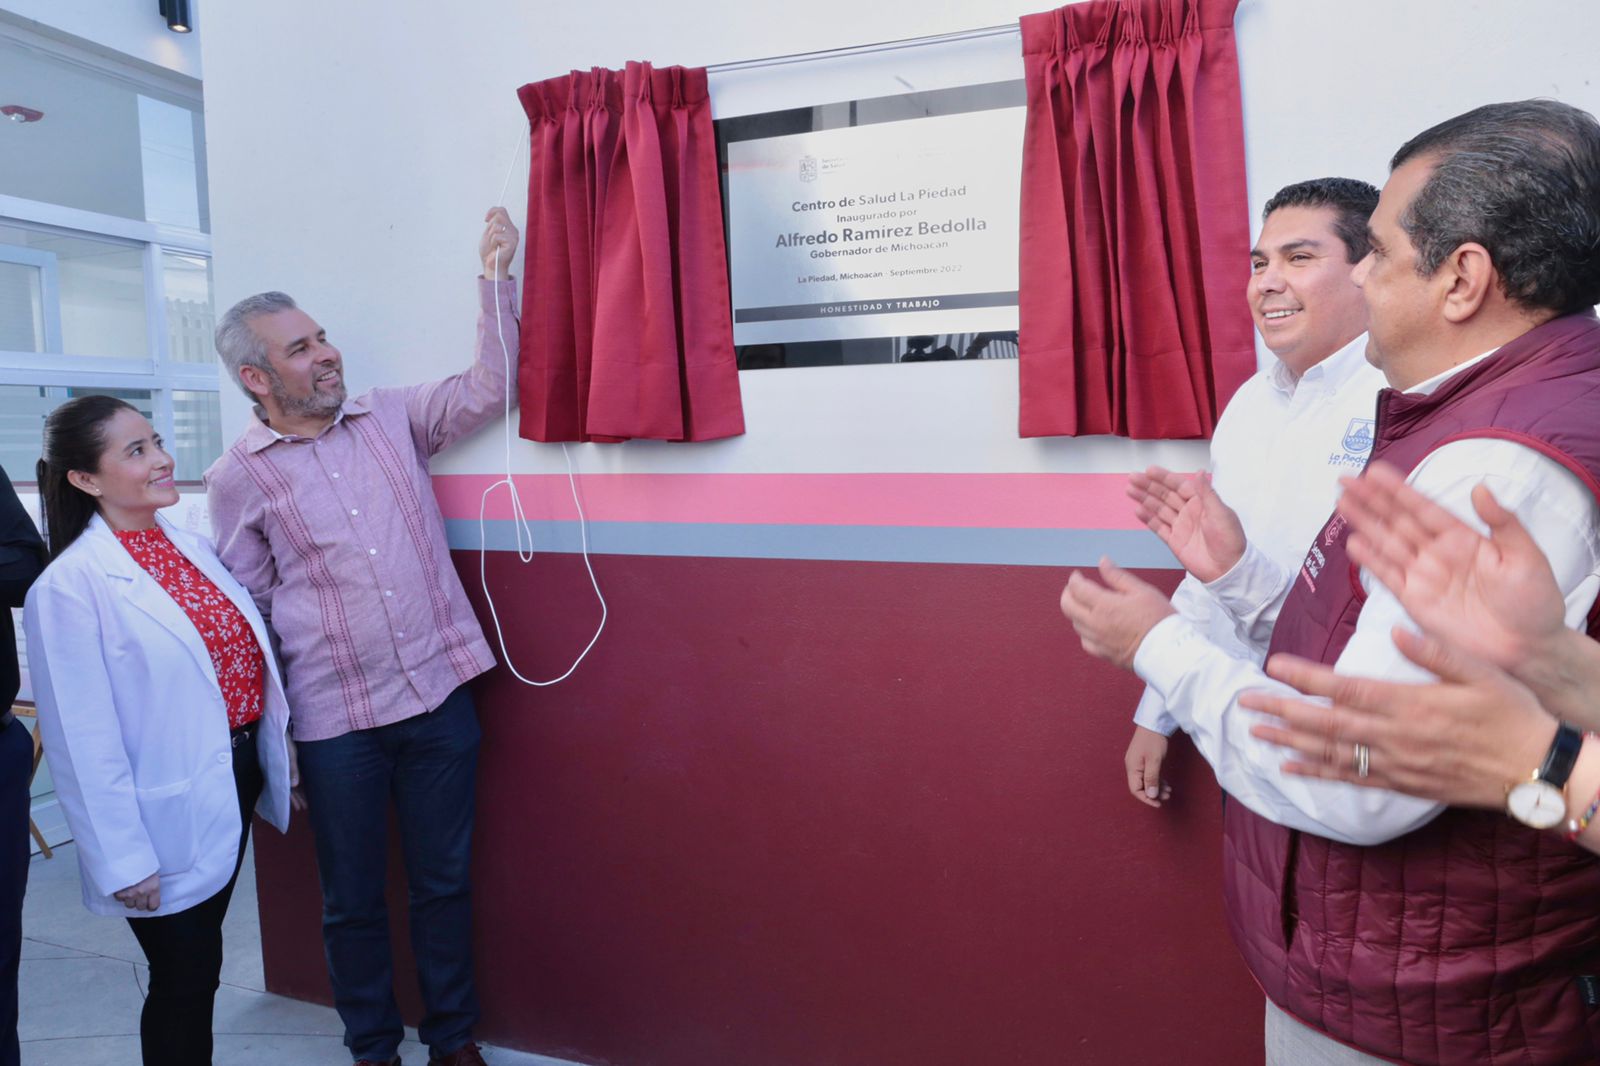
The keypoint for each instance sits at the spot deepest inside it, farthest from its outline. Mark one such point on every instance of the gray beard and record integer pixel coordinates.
(317, 404)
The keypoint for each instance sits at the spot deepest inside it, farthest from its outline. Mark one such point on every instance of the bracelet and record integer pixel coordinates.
(1576, 826)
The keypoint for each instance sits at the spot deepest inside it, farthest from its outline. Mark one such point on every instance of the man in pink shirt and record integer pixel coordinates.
(323, 509)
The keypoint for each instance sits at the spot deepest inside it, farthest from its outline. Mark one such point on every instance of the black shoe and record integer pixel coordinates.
(469, 1055)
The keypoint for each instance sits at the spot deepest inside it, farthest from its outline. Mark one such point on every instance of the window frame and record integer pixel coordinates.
(158, 373)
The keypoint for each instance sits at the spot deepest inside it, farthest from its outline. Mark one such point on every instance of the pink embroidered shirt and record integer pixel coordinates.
(228, 637)
(340, 541)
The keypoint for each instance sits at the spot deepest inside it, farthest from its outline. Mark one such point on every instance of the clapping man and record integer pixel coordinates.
(1314, 404)
(1384, 926)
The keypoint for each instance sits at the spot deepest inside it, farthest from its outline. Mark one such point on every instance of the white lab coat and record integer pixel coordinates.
(134, 724)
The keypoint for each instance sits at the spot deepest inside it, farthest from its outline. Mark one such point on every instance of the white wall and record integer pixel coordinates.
(134, 28)
(351, 165)
(1335, 86)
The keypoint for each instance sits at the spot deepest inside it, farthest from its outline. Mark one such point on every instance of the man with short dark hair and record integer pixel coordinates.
(1292, 428)
(1380, 924)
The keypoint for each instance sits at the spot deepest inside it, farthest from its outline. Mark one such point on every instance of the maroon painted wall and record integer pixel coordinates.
(795, 813)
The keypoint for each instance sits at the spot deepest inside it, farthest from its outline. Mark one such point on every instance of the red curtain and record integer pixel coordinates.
(1135, 225)
(626, 330)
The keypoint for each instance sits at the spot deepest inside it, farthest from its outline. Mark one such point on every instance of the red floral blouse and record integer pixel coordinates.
(227, 635)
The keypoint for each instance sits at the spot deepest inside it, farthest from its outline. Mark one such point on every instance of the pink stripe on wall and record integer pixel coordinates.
(992, 501)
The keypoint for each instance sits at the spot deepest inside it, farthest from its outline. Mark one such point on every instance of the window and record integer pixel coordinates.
(112, 140)
(105, 252)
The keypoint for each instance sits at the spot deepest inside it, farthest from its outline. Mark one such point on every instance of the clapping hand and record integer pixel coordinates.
(1113, 618)
(1191, 519)
(1458, 741)
(1494, 597)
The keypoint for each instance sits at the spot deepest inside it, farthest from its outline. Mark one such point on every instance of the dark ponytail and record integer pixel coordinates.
(74, 438)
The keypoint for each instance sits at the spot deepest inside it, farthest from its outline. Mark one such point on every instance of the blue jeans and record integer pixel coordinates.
(427, 765)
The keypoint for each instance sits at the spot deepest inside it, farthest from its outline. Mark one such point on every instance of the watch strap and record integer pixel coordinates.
(1563, 753)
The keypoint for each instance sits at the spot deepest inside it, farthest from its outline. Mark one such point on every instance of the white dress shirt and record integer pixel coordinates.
(1278, 452)
(1201, 681)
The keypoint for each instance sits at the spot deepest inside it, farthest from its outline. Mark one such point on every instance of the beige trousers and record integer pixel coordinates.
(1291, 1042)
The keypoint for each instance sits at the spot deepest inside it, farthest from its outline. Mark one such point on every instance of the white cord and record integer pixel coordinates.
(520, 519)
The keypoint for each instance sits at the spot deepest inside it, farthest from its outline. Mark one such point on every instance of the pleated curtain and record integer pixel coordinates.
(626, 329)
(1135, 223)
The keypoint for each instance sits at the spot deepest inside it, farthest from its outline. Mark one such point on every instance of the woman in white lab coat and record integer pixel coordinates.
(160, 705)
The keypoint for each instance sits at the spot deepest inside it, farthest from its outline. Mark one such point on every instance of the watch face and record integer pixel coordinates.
(1537, 803)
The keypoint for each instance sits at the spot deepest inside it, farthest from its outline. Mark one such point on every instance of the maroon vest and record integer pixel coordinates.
(1473, 939)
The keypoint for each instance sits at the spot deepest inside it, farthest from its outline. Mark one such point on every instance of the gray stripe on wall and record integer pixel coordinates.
(893, 544)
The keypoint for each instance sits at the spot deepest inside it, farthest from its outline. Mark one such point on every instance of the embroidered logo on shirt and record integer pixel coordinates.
(1357, 443)
(1335, 527)
(1314, 563)
(1358, 436)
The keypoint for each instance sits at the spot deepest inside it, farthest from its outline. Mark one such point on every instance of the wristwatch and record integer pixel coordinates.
(1541, 801)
